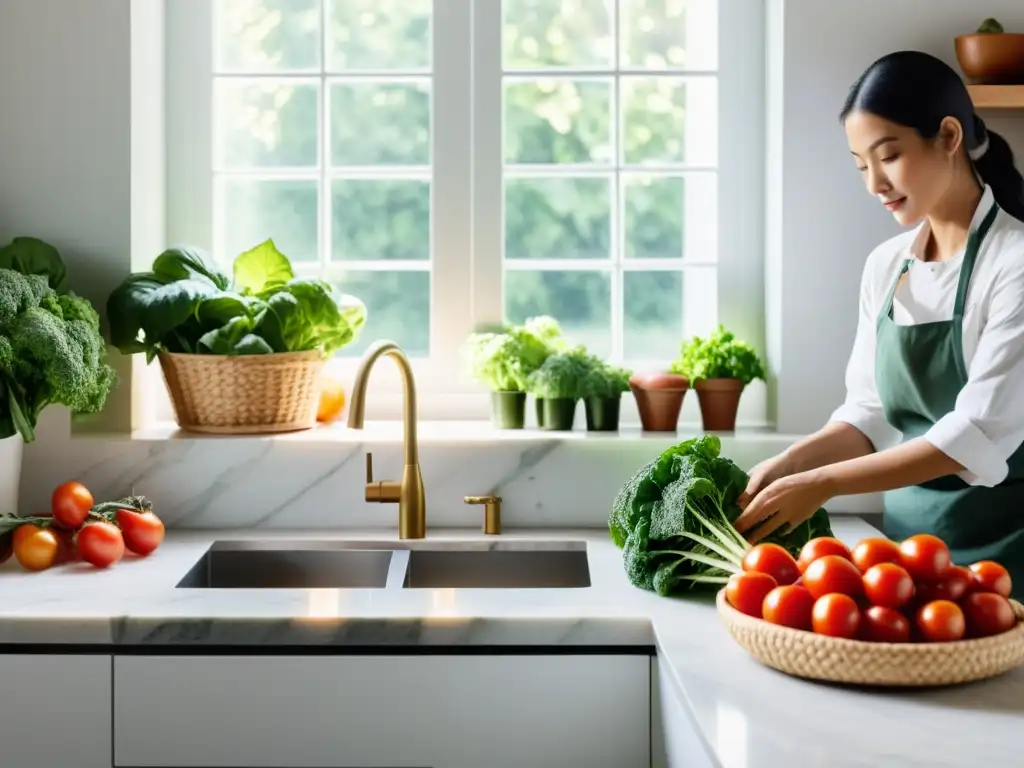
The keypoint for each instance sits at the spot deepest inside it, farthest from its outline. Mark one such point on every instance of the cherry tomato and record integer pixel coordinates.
(788, 606)
(925, 557)
(951, 587)
(819, 547)
(889, 585)
(70, 504)
(34, 547)
(833, 573)
(990, 576)
(873, 551)
(6, 546)
(835, 615)
(987, 613)
(143, 531)
(746, 591)
(100, 544)
(940, 621)
(884, 625)
(773, 560)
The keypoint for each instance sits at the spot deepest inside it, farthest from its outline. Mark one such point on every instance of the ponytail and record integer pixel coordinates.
(997, 169)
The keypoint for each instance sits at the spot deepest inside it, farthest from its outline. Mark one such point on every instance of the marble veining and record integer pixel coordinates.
(749, 716)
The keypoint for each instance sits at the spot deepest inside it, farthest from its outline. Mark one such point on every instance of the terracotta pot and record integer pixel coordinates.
(719, 400)
(992, 59)
(659, 398)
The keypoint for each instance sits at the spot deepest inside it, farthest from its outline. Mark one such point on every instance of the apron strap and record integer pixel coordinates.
(887, 306)
(970, 257)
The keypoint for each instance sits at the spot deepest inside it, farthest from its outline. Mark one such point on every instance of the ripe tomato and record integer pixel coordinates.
(100, 544)
(925, 557)
(819, 547)
(889, 585)
(987, 613)
(6, 547)
(34, 547)
(873, 551)
(951, 587)
(746, 591)
(879, 624)
(788, 606)
(833, 573)
(142, 531)
(940, 621)
(835, 615)
(71, 503)
(773, 560)
(990, 576)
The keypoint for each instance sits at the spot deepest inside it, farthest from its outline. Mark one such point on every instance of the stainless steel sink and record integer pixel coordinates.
(276, 565)
(497, 569)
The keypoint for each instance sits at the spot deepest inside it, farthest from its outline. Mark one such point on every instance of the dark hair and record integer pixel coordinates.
(917, 90)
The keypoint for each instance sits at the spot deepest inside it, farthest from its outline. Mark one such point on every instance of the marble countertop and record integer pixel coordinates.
(748, 716)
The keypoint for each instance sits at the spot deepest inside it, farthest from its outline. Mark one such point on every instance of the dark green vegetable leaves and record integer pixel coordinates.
(673, 519)
(185, 304)
(31, 256)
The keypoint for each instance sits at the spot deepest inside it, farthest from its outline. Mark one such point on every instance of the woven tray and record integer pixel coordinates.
(244, 394)
(856, 662)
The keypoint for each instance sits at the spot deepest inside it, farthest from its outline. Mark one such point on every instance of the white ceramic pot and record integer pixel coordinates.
(11, 449)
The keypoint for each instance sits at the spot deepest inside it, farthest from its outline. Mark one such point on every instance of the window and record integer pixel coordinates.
(458, 163)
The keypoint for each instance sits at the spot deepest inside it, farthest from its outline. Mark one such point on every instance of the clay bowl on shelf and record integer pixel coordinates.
(992, 59)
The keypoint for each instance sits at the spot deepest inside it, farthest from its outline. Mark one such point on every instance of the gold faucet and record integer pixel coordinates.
(412, 504)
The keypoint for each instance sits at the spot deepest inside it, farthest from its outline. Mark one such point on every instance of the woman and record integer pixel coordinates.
(934, 412)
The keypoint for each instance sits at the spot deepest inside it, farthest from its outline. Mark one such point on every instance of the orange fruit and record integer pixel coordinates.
(332, 400)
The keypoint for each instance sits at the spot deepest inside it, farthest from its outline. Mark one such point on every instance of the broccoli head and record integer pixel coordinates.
(51, 353)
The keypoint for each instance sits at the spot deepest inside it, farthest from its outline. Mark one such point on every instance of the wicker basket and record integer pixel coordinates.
(247, 394)
(856, 662)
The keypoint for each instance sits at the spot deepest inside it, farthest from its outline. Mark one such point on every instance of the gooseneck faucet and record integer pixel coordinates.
(412, 505)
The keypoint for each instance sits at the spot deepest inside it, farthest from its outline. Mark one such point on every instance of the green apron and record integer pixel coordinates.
(919, 371)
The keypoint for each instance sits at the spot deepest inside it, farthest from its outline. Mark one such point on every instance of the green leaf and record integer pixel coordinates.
(187, 263)
(32, 256)
(261, 268)
(252, 344)
(222, 340)
(304, 315)
(20, 418)
(144, 303)
(220, 309)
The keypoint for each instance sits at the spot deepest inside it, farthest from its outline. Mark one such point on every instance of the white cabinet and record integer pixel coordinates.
(382, 711)
(55, 711)
(675, 742)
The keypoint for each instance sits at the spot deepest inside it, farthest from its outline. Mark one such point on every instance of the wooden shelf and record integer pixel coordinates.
(997, 96)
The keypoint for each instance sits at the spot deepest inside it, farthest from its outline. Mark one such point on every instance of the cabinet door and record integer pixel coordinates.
(675, 742)
(55, 711)
(382, 711)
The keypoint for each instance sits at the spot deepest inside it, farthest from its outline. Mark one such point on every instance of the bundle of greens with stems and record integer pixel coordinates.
(718, 356)
(673, 520)
(51, 348)
(185, 304)
(502, 359)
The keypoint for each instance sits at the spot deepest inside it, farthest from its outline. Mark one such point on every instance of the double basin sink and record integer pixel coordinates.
(388, 565)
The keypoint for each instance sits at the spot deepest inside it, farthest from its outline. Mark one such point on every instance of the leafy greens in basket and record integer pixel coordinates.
(673, 520)
(185, 304)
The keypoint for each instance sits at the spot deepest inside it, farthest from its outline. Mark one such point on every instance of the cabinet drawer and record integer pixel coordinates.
(382, 711)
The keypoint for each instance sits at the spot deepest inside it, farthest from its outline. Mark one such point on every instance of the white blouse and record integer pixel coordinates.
(987, 423)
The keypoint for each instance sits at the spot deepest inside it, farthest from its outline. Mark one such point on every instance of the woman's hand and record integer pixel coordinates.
(788, 501)
(763, 475)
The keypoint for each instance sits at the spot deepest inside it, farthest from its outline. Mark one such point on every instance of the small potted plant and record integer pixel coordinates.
(659, 399)
(991, 55)
(545, 330)
(560, 383)
(496, 361)
(720, 367)
(603, 396)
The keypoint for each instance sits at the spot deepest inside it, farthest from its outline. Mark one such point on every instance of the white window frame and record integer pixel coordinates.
(467, 191)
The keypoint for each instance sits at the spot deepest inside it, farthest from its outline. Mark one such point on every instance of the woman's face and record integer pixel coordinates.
(906, 173)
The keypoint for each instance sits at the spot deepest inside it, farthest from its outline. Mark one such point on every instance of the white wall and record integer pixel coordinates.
(825, 223)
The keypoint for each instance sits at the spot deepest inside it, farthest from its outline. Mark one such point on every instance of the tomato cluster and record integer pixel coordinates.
(79, 529)
(880, 591)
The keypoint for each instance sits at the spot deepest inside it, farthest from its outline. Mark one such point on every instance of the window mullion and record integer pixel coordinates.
(488, 305)
(451, 195)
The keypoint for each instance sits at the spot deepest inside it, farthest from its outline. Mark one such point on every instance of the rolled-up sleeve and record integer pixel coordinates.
(986, 425)
(862, 407)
